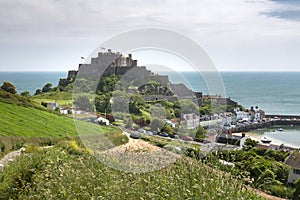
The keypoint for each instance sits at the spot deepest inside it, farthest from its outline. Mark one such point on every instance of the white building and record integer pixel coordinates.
(294, 162)
(102, 121)
(241, 115)
(192, 120)
(226, 121)
(52, 105)
(258, 114)
(170, 123)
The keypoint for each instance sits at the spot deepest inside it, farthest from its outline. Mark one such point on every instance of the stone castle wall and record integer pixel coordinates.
(109, 63)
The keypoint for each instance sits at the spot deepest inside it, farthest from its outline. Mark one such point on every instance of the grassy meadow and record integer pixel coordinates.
(63, 98)
(68, 171)
(27, 125)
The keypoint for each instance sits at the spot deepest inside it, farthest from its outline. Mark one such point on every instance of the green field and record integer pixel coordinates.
(21, 121)
(21, 125)
(63, 98)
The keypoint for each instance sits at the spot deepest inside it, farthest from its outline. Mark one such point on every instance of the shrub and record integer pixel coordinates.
(83, 103)
(25, 93)
(279, 191)
(296, 194)
(72, 147)
(38, 91)
(17, 177)
(200, 133)
(2, 146)
(9, 87)
(47, 87)
(117, 138)
(31, 148)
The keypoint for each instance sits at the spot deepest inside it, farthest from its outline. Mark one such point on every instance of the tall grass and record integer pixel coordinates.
(67, 175)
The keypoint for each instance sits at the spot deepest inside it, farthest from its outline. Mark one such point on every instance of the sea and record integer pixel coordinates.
(31, 81)
(274, 92)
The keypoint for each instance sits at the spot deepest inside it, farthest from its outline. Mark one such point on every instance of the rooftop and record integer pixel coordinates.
(293, 160)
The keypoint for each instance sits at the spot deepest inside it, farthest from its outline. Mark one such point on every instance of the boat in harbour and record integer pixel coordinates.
(266, 140)
(280, 129)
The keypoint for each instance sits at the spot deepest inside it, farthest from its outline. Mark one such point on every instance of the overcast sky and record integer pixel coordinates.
(238, 35)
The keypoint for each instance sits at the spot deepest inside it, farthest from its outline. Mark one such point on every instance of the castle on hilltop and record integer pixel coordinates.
(111, 63)
(118, 64)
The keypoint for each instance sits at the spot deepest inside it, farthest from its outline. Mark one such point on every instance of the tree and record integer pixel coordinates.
(205, 110)
(102, 103)
(107, 84)
(128, 122)
(25, 93)
(249, 144)
(168, 129)
(38, 91)
(158, 112)
(200, 133)
(57, 109)
(82, 84)
(156, 125)
(120, 101)
(177, 112)
(188, 106)
(296, 194)
(9, 87)
(136, 104)
(83, 103)
(47, 87)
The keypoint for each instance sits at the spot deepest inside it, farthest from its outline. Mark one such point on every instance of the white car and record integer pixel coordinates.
(142, 130)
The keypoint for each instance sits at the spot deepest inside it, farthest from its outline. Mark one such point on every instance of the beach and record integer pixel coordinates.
(257, 137)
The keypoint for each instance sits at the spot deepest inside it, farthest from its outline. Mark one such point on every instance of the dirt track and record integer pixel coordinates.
(10, 157)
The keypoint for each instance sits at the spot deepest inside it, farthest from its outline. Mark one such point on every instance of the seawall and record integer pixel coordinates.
(284, 120)
(250, 127)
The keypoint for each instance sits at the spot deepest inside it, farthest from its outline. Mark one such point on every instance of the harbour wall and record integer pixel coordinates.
(272, 120)
(284, 120)
(250, 127)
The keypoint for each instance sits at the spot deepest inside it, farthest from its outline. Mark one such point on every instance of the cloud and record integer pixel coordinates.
(231, 31)
(289, 10)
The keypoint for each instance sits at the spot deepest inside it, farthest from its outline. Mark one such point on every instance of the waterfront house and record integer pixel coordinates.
(241, 115)
(231, 139)
(192, 120)
(52, 105)
(294, 162)
(226, 121)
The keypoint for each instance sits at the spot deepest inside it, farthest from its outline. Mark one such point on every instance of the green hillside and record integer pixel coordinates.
(26, 121)
(27, 125)
(69, 172)
(63, 98)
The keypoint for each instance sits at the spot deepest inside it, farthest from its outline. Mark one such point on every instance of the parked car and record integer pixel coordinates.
(163, 134)
(198, 140)
(135, 136)
(142, 130)
(154, 132)
(206, 141)
(149, 132)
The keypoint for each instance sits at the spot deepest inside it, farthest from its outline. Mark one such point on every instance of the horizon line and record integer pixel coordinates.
(158, 71)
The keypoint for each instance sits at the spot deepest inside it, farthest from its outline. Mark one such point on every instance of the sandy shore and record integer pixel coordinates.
(258, 137)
